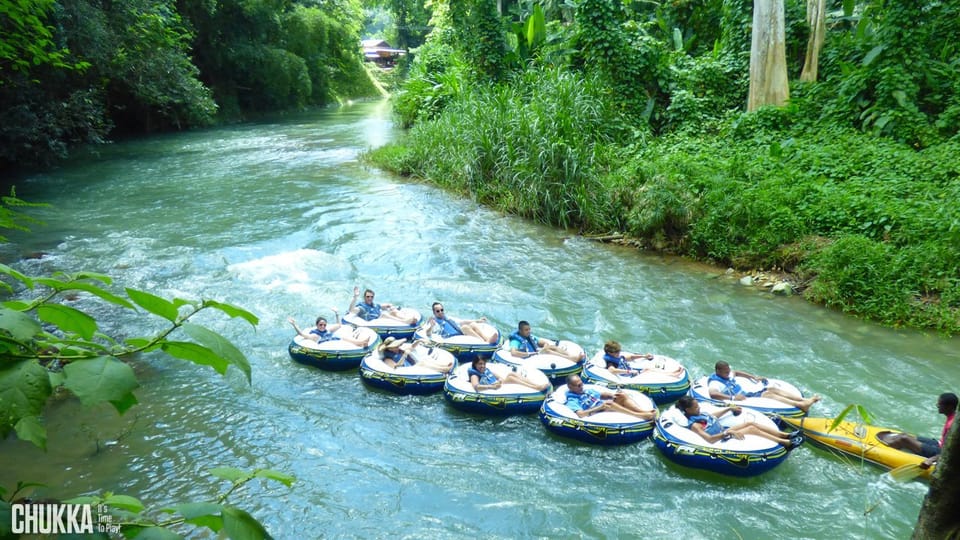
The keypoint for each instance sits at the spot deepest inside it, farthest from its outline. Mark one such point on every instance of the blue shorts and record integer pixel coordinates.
(929, 447)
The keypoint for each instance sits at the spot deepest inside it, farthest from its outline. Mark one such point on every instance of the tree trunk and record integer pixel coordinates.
(938, 517)
(768, 57)
(818, 29)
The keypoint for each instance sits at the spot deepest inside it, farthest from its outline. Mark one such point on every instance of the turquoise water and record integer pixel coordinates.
(281, 218)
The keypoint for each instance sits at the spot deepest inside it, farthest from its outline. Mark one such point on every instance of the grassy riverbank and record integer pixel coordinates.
(866, 225)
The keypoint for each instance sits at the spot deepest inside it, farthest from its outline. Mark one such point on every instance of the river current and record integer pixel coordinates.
(280, 217)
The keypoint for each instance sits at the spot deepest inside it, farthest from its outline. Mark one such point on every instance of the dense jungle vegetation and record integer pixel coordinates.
(600, 115)
(79, 71)
(627, 116)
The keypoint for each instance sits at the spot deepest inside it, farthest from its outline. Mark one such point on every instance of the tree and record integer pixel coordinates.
(768, 60)
(938, 515)
(816, 19)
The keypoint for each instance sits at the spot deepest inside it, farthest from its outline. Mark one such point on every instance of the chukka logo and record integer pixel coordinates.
(51, 518)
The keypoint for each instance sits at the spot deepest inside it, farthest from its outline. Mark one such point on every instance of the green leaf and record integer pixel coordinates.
(870, 56)
(103, 278)
(192, 510)
(230, 473)
(283, 478)
(901, 98)
(198, 354)
(864, 414)
(154, 304)
(843, 414)
(233, 311)
(202, 514)
(20, 325)
(239, 525)
(23, 278)
(536, 31)
(30, 429)
(99, 379)
(24, 389)
(220, 346)
(68, 319)
(848, 6)
(123, 404)
(101, 293)
(124, 502)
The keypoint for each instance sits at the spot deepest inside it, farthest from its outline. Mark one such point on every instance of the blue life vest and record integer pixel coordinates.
(395, 356)
(587, 400)
(730, 386)
(524, 344)
(713, 426)
(618, 361)
(487, 377)
(448, 328)
(326, 335)
(368, 312)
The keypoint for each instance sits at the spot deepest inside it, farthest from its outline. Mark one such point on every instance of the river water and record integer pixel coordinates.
(281, 218)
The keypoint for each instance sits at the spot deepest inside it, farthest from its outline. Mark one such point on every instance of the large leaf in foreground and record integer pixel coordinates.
(68, 319)
(154, 304)
(20, 325)
(103, 378)
(220, 346)
(198, 354)
(24, 389)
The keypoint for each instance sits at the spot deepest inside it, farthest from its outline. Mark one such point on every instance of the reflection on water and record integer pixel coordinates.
(280, 218)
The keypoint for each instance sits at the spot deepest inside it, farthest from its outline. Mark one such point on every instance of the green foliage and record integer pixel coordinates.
(535, 146)
(479, 37)
(150, 70)
(893, 79)
(704, 92)
(48, 345)
(437, 77)
(633, 62)
(28, 40)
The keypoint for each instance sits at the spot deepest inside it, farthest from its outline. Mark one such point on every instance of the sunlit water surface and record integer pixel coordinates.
(281, 218)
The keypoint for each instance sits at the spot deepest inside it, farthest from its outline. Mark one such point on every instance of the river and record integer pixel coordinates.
(280, 217)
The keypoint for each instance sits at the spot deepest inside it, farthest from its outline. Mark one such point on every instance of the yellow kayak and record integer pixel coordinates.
(856, 440)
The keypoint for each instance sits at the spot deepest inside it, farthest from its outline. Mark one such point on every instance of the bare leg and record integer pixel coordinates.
(628, 403)
(517, 379)
(781, 396)
(767, 433)
(475, 330)
(902, 441)
(614, 406)
(396, 315)
(560, 351)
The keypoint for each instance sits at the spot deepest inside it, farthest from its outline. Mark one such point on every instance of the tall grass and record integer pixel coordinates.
(536, 146)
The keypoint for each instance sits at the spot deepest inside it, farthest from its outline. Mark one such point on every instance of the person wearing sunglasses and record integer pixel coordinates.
(448, 327)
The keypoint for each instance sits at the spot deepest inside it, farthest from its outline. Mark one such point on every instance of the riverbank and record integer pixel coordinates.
(858, 223)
